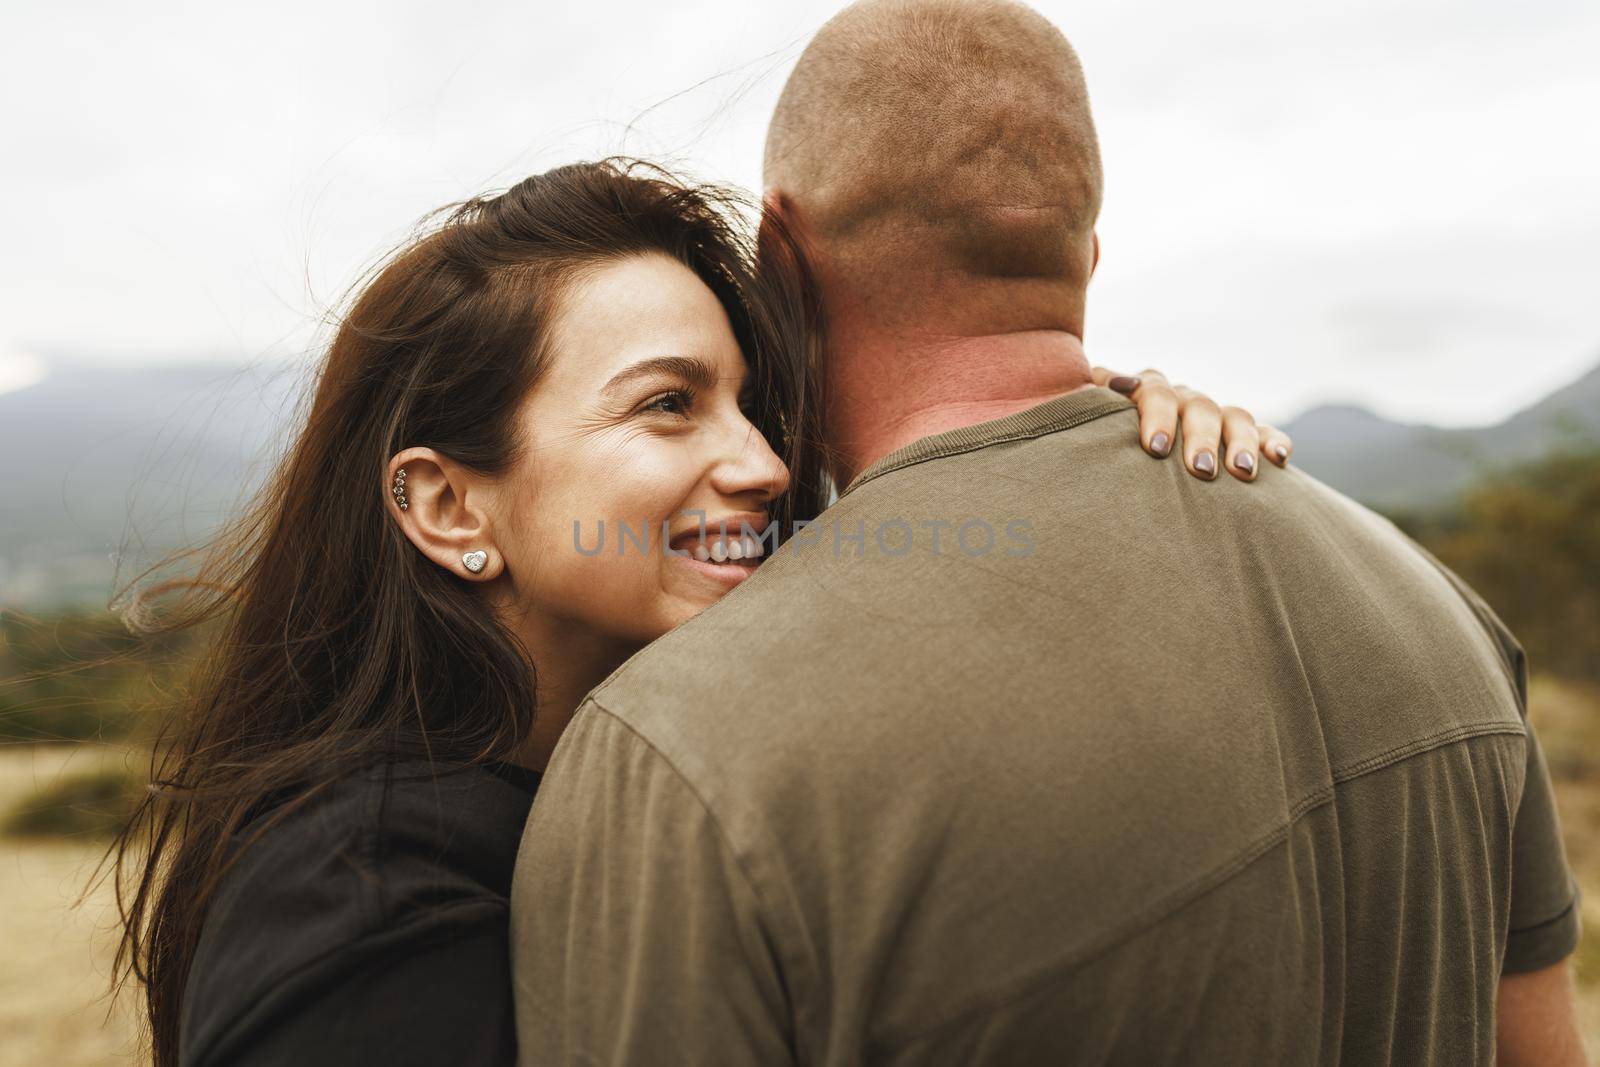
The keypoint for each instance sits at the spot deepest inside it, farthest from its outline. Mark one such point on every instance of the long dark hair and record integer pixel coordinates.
(337, 644)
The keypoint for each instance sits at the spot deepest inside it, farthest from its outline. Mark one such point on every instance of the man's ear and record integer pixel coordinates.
(782, 243)
(445, 512)
(1095, 261)
(776, 204)
(782, 231)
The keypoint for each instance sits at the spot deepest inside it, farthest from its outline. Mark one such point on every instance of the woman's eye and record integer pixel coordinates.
(677, 402)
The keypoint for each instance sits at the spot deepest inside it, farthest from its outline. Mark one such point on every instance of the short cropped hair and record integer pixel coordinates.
(953, 129)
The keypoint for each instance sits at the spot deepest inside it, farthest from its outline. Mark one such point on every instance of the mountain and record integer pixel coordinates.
(1397, 465)
(107, 469)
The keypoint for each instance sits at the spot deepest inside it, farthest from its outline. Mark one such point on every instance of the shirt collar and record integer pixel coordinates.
(1062, 413)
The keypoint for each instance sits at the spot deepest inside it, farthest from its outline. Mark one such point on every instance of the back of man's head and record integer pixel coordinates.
(922, 143)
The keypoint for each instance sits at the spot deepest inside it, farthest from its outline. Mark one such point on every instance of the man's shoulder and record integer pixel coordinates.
(705, 684)
(1015, 576)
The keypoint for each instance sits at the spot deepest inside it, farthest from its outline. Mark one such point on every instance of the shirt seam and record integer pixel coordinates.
(1559, 917)
(953, 448)
(1196, 888)
(723, 836)
(1431, 741)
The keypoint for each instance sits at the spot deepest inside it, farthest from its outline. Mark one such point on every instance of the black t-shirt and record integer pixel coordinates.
(369, 926)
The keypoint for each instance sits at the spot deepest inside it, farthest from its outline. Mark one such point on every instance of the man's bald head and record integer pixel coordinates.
(949, 135)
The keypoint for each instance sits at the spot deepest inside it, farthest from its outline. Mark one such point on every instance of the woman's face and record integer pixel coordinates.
(636, 426)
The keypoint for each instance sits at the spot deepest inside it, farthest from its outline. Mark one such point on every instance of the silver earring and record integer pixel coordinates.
(474, 561)
(399, 488)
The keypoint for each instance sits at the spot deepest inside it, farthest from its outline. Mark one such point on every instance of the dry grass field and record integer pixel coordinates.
(1567, 717)
(58, 943)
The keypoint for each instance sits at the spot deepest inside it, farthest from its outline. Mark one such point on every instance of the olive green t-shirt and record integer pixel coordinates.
(1127, 768)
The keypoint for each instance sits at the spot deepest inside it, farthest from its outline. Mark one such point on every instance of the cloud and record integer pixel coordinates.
(1388, 202)
(18, 370)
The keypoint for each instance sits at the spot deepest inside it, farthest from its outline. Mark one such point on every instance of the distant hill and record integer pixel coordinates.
(108, 464)
(1396, 465)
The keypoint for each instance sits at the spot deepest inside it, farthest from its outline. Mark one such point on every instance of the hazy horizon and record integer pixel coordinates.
(19, 372)
(1385, 204)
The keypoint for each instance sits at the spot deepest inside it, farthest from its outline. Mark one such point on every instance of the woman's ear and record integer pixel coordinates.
(442, 508)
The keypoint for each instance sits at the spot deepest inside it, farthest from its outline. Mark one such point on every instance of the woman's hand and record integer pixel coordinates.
(1208, 429)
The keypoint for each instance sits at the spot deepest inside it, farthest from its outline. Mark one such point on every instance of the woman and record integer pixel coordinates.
(320, 873)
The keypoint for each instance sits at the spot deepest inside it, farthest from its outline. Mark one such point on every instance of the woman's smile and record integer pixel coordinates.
(726, 562)
(724, 549)
(727, 572)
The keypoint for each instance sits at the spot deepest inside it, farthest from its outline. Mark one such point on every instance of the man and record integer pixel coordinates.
(1031, 750)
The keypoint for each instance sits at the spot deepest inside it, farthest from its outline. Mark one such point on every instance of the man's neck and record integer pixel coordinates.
(889, 392)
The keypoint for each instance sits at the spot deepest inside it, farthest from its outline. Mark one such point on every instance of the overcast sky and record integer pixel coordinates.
(1391, 202)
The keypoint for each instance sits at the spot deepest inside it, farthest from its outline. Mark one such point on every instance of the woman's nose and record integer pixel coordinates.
(749, 466)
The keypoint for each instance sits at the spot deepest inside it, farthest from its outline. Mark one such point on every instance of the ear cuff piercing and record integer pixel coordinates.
(474, 561)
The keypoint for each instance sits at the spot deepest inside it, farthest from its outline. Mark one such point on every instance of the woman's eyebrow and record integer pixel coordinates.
(697, 372)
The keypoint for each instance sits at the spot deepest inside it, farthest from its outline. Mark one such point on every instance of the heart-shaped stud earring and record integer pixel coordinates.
(474, 561)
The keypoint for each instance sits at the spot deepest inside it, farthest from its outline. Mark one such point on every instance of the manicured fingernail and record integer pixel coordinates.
(1161, 444)
(1283, 452)
(1205, 463)
(1245, 462)
(1124, 384)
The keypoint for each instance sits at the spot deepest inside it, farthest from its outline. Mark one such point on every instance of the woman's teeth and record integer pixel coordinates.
(724, 550)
